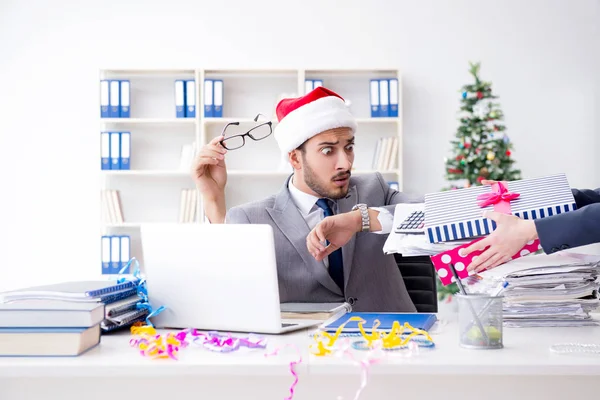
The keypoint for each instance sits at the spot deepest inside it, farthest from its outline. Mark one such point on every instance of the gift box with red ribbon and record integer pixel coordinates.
(458, 214)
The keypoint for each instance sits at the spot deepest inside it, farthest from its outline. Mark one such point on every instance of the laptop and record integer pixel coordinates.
(214, 277)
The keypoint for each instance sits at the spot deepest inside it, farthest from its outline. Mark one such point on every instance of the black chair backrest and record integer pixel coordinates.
(420, 280)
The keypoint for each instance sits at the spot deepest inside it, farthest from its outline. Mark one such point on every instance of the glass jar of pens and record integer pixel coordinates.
(479, 318)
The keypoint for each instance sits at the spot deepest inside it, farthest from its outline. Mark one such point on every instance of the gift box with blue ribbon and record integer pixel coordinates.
(458, 214)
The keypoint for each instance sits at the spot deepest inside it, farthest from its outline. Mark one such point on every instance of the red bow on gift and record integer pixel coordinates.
(499, 194)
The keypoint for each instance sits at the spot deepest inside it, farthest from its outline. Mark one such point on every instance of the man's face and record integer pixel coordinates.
(327, 161)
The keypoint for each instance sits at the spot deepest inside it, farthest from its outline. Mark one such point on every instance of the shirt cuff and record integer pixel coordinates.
(385, 218)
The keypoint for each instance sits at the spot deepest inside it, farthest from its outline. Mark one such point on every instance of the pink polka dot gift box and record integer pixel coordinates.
(442, 261)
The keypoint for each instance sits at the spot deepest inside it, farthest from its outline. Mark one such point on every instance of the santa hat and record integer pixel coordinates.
(304, 117)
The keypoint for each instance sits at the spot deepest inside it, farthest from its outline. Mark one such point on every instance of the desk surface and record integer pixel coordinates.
(526, 352)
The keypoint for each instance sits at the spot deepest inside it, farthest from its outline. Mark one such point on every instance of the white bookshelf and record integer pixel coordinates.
(150, 190)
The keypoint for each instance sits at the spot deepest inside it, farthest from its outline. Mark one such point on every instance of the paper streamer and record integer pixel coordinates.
(154, 345)
(292, 367)
(364, 364)
(374, 343)
(394, 340)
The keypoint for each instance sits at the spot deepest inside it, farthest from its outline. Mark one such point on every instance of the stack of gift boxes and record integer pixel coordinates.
(458, 215)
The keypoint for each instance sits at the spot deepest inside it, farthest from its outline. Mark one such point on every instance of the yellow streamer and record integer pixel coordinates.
(391, 340)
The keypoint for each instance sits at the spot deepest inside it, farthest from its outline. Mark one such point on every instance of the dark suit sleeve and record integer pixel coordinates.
(572, 229)
(585, 197)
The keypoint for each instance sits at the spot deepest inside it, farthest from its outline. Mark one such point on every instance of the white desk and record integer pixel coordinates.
(525, 368)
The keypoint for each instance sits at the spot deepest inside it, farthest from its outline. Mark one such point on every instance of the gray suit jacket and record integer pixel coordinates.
(572, 229)
(373, 282)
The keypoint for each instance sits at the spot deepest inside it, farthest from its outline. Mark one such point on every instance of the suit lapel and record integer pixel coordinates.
(291, 223)
(345, 205)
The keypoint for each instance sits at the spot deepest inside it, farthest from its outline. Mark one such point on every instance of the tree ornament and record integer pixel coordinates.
(508, 153)
(493, 114)
(491, 155)
(479, 179)
(464, 95)
(484, 172)
(467, 145)
(479, 95)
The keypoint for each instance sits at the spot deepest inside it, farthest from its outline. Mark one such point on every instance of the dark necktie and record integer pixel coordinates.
(336, 265)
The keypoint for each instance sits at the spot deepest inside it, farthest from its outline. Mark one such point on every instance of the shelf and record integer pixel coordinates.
(149, 172)
(232, 172)
(154, 121)
(137, 225)
(123, 225)
(151, 72)
(377, 120)
(209, 121)
(286, 173)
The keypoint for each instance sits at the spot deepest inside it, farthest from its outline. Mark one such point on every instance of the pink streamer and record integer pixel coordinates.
(292, 367)
(364, 364)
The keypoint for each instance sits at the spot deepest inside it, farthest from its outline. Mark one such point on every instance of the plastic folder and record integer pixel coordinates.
(417, 320)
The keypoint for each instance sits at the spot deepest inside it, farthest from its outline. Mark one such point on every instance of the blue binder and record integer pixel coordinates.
(124, 99)
(180, 98)
(309, 85)
(115, 98)
(374, 97)
(384, 98)
(104, 98)
(105, 253)
(115, 150)
(115, 254)
(105, 150)
(394, 97)
(417, 320)
(208, 98)
(190, 99)
(125, 150)
(125, 250)
(218, 98)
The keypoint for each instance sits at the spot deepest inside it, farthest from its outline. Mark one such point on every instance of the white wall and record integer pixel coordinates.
(542, 57)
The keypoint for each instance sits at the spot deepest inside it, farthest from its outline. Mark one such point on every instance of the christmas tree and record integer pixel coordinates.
(481, 149)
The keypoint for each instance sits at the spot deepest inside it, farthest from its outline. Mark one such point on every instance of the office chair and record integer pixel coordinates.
(420, 280)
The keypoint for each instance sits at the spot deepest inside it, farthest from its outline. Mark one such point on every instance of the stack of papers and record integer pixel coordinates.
(410, 245)
(548, 291)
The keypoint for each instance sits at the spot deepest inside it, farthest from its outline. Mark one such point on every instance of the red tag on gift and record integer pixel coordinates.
(442, 261)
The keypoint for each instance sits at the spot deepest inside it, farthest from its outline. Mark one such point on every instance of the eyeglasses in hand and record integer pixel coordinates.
(257, 133)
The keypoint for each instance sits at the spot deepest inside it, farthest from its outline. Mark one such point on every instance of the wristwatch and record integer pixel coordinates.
(364, 214)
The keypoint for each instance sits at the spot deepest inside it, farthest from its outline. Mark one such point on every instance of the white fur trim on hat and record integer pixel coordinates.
(310, 120)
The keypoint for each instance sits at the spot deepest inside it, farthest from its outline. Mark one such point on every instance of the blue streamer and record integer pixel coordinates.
(142, 291)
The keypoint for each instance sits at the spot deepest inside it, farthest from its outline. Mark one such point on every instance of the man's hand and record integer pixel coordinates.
(209, 171)
(511, 235)
(337, 229)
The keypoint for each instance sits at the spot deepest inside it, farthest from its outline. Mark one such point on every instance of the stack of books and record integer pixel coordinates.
(548, 291)
(65, 319)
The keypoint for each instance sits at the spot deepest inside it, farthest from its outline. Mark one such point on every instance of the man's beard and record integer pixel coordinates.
(311, 180)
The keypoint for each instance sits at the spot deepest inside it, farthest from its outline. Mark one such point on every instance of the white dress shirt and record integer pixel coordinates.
(313, 214)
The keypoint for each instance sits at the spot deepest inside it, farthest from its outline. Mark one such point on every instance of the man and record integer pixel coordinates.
(316, 132)
(558, 232)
